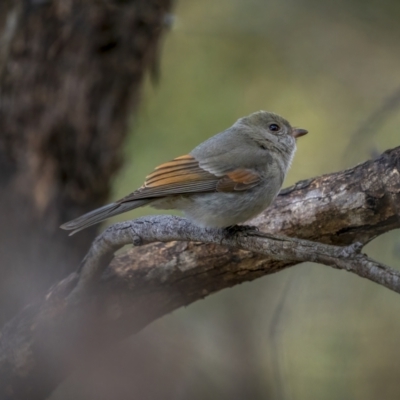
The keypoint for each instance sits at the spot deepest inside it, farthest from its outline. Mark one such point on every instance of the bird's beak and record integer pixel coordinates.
(297, 132)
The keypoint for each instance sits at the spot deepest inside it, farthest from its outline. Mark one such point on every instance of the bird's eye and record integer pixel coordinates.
(274, 127)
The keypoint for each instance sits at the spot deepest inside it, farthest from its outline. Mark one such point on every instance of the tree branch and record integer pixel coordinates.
(163, 228)
(151, 280)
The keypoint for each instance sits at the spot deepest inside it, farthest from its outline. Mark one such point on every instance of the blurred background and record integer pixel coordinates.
(309, 332)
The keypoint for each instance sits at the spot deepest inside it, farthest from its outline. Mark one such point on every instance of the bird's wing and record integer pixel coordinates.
(238, 179)
(183, 175)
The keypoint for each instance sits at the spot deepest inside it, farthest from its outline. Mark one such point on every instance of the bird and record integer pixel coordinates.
(228, 179)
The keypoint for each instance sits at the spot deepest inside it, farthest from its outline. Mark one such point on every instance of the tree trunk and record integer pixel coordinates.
(70, 76)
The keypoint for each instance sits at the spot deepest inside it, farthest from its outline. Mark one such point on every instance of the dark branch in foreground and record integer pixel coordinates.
(44, 343)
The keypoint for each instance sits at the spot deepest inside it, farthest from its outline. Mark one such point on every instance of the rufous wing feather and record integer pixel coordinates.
(183, 175)
(179, 176)
(238, 179)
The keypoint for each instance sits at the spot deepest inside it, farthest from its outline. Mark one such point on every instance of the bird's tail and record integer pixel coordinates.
(100, 214)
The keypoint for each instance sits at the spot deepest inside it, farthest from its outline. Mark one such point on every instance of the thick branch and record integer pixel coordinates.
(150, 281)
(167, 229)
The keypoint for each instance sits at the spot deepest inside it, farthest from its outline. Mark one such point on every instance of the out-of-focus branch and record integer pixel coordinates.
(338, 210)
(371, 124)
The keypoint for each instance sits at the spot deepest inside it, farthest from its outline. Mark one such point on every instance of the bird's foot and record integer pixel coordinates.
(244, 229)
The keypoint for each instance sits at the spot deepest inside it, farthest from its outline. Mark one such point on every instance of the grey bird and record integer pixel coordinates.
(224, 181)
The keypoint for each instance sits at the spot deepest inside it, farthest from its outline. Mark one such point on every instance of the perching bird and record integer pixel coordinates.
(226, 180)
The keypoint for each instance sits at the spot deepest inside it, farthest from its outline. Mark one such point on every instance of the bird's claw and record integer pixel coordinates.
(243, 229)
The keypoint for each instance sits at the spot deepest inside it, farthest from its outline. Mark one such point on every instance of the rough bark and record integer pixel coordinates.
(70, 76)
(47, 340)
